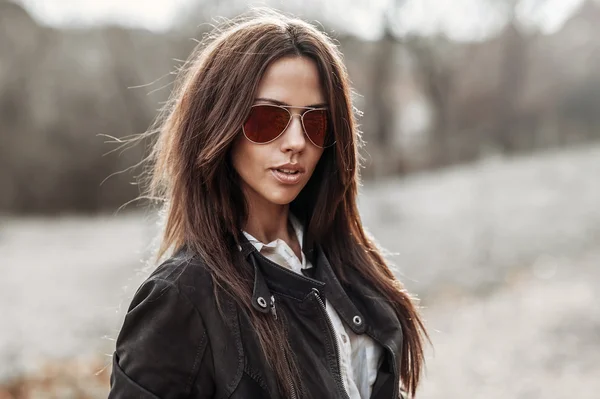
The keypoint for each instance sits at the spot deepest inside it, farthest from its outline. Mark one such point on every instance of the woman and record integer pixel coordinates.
(272, 288)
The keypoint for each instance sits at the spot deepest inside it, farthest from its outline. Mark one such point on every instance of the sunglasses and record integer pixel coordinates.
(267, 122)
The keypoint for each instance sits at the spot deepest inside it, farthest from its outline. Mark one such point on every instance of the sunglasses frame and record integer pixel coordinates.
(286, 108)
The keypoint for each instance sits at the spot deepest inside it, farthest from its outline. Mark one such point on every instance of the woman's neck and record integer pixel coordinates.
(268, 222)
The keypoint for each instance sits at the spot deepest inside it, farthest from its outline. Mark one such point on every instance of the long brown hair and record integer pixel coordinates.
(204, 206)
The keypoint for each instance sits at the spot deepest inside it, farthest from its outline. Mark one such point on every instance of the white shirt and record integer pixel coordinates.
(360, 356)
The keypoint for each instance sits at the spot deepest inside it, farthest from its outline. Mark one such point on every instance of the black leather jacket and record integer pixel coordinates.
(174, 342)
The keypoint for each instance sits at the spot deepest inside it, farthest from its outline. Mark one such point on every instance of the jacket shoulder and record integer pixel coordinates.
(163, 347)
(186, 272)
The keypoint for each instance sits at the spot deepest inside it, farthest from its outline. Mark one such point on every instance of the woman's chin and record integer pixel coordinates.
(282, 197)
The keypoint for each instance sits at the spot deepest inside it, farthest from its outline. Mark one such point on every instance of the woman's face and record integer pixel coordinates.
(292, 81)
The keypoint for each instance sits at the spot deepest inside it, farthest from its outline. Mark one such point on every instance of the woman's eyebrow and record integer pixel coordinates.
(277, 102)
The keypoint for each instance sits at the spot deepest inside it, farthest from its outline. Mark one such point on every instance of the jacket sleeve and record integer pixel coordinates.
(162, 347)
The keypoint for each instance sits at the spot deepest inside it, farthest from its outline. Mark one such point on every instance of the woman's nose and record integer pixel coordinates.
(293, 138)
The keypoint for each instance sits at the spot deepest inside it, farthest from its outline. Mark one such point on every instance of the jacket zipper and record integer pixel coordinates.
(335, 343)
(322, 305)
(289, 378)
(273, 310)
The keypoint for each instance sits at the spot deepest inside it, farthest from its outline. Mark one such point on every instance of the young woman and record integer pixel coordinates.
(272, 288)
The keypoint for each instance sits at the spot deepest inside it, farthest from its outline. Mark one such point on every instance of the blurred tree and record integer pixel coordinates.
(511, 79)
(433, 72)
(436, 75)
(383, 68)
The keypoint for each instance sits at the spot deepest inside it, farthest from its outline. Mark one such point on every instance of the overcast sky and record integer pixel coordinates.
(459, 19)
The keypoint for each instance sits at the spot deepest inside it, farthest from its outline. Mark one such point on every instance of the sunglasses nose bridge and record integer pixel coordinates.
(295, 133)
(300, 121)
(293, 115)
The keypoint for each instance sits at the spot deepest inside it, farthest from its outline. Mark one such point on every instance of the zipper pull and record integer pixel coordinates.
(273, 310)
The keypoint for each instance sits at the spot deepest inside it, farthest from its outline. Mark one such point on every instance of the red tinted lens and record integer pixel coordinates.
(315, 126)
(265, 123)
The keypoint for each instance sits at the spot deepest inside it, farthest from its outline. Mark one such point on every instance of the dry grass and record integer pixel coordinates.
(68, 379)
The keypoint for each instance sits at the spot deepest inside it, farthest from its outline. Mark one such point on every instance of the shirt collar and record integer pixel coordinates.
(298, 229)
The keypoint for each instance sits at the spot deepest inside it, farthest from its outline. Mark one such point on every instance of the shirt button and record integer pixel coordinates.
(344, 338)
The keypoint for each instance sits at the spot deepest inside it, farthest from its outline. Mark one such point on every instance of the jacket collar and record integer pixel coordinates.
(377, 317)
(336, 294)
(270, 277)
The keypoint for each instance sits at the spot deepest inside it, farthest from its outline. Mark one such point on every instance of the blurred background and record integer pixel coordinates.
(482, 178)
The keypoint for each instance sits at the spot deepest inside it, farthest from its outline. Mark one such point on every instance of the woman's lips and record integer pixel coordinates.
(287, 178)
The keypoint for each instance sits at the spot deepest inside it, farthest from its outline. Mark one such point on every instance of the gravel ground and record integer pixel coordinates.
(537, 337)
(505, 255)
